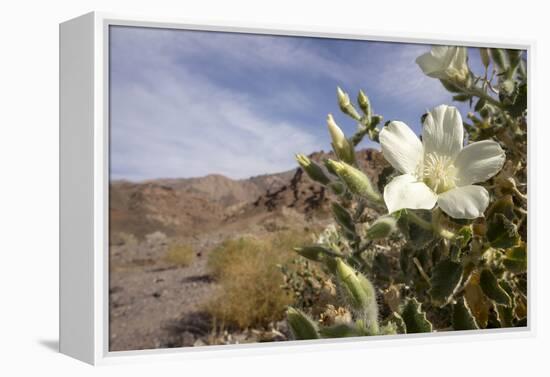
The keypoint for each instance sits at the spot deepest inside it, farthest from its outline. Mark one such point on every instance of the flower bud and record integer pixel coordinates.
(364, 104)
(356, 181)
(360, 293)
(382, 227)
(301, 326)
(500, 59)
(341, 145)
(314, 171)
(345, 104)
(507, 87)
(484, 53)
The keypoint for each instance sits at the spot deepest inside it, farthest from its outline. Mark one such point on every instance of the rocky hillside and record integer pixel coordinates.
(182, 207)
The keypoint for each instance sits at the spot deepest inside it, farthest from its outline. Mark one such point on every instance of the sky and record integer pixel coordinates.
(191, 103)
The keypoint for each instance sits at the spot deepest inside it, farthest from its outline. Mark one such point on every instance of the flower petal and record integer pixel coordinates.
(478, 162)
(430, 65)
(460, 57)
(443, 131)
(435, 62)
(466, 202)
(401, 147)
(405, 191)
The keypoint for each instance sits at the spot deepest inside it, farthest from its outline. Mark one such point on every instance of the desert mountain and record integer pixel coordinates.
(181, 207)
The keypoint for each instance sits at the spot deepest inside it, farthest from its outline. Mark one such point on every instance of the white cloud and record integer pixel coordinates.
(191, 127)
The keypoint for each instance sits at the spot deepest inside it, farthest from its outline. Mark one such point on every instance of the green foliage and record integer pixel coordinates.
(516, 259)
(463, 319)
(414, 318)
(443, 273)
(492, 289)
(301, 326)
(446, 276)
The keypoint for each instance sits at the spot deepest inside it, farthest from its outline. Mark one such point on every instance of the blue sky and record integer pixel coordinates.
(191, 103)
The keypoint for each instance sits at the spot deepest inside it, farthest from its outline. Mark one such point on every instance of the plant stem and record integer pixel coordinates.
(421, 270)
(475, 91)
(419, 221)
(438, 226)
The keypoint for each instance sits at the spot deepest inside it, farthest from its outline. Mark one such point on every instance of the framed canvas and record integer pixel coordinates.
(241, 189)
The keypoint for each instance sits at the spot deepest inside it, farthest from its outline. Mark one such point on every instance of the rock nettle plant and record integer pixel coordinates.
(446, 249)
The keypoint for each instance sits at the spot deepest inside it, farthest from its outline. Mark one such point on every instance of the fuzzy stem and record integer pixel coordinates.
(419, 221)
(438, 226)
(421, 270)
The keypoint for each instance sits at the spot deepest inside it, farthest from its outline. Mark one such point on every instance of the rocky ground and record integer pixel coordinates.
(154, 304)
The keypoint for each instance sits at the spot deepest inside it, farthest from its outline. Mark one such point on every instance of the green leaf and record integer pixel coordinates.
(414, 318)
(520, 102)
(344, 219)
(516, 259)
(464, 235)
(501, 232)
(462, 97)
(316, 253)
(506, 313)
(504, 205)
(342, 330)
(398, 321)
(463, 319)
(446, 278)
(301, 326)
(480, 104)
(492, 289)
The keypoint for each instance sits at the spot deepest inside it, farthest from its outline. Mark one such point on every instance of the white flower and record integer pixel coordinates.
(445, 62)
(438, 169)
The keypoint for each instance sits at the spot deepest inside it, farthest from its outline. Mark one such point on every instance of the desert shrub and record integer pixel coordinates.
(448, 247)
(250, 281)
(180, 255)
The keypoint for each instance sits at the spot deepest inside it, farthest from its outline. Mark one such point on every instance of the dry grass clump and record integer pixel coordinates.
(250, 280)
(180, 255)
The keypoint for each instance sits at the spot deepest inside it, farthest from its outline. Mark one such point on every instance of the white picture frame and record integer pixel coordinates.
(84, 179)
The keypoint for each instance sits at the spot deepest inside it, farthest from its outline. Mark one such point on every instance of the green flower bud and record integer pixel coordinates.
(342, 147)
(337, 187)
(500, 59)
(484, 53)
(360, 293)
(345, 104)
(356, 181)
(316, 252)
(301, 326)
(382, 227)
(507, 87)
(312, 169)
(364, 104)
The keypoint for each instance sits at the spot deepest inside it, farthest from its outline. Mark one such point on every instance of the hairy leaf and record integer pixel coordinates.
(492, 289)
(463, 319)
(501, 232)
(342, 330)
(414, 318)
(301, 326)
(446, 278)
(516, 259)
